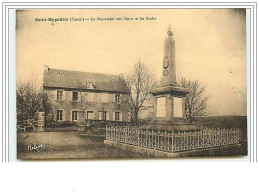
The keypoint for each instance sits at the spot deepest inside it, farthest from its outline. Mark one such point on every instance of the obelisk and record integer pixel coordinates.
(169, 70)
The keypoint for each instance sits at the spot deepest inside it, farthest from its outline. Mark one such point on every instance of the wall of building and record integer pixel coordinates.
(89, 101)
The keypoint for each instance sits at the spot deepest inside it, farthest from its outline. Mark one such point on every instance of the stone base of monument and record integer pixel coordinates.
(205, 152)
(169, 109)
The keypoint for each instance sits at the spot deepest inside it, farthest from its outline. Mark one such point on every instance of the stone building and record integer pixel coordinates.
(76, 96)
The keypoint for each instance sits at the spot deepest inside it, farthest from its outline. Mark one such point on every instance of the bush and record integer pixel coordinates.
(55, 124)
(28, 129)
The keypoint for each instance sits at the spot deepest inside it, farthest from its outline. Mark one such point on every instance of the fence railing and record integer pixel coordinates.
(173, 141)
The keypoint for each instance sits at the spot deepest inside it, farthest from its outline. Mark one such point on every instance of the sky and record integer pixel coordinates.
(210, 47)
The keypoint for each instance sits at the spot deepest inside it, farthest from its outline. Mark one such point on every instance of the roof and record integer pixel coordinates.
(57, 78)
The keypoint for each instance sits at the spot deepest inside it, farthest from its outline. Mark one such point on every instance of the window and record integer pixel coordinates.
(90, 115)
(59, 95)
(104, 115)
(117, 116)
(74, 115)
(117, 97)
(75, 96)
(59, 115)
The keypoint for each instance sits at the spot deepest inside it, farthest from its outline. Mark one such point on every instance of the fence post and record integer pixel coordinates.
(116, 132)
(172, 141)
(238, 135)
(138, 130)
(198, 139)
(106, 132)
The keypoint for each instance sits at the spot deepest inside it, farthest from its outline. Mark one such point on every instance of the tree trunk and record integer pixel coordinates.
(136, 116)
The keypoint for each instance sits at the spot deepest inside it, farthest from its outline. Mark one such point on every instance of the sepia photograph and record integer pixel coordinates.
(131, 83)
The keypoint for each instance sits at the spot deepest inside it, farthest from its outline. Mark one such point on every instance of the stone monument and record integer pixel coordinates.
(169, 111)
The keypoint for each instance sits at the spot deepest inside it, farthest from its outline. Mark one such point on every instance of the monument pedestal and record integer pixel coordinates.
(169, 115)
(169, 97)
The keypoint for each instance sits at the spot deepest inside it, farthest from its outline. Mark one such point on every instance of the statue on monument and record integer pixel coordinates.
(170, 32)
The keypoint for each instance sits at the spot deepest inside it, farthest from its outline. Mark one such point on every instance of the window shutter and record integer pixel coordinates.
(100, 115)
(113, 116)
(56, 115)
(107, 115)
(120, 116)
(63, 115)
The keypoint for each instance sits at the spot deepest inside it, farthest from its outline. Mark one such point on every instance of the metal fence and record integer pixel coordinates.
(182, 140)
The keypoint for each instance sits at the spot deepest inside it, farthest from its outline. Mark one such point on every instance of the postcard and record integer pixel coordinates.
(131, 83)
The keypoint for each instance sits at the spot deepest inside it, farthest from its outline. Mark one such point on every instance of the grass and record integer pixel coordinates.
(228, 122)
(69, 143)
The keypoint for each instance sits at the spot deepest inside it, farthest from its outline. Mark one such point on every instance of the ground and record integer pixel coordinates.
(228, 122)
(69, 143)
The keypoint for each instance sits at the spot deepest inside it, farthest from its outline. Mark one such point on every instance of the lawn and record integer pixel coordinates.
(229, 122)
(68, 145)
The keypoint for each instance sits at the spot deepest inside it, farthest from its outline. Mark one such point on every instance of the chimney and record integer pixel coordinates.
(46, 68)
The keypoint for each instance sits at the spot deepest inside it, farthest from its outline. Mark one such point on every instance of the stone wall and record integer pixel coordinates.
(89, 101)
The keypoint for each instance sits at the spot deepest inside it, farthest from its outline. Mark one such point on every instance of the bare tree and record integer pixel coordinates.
(140, 82)
(196, 100)
(21, 101)
(46, 107)
(30, 98)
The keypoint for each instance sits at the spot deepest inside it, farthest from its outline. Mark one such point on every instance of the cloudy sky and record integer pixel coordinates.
(210, 47)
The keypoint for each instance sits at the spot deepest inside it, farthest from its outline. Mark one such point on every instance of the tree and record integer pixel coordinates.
(30, 98)
(21, 101)
(140, 82)
(195, 101)
(46, 107)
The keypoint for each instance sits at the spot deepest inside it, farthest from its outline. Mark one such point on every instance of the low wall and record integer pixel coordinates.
(141, 150)
(217, 151)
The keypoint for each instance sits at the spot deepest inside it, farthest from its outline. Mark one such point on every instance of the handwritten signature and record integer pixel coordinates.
(36, 147)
